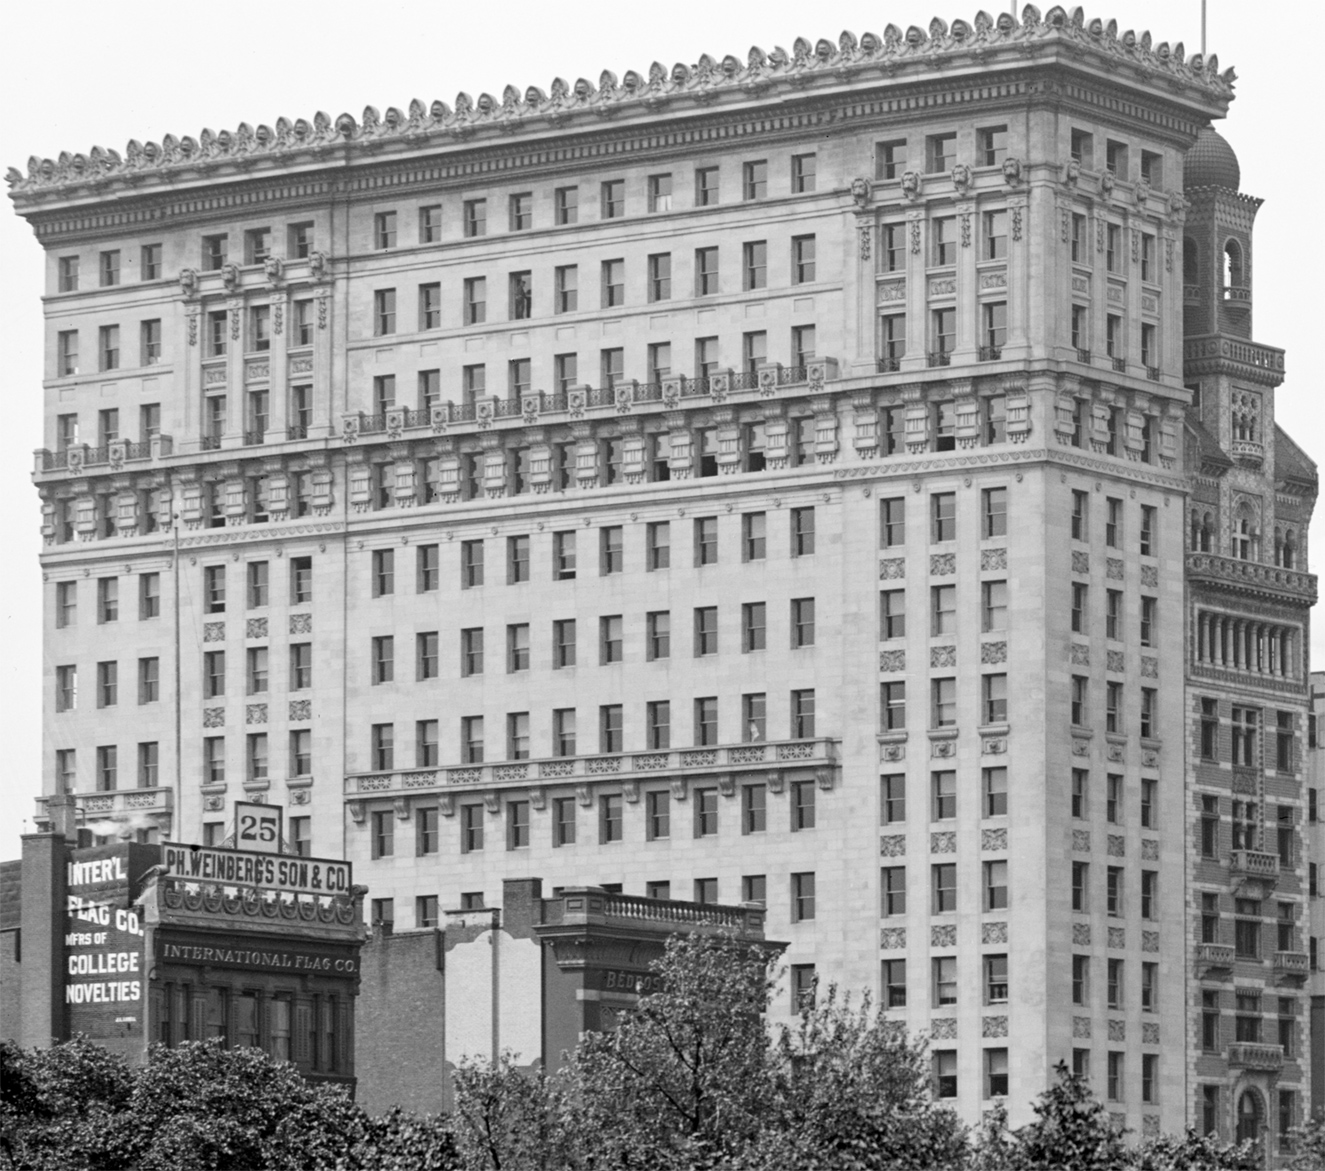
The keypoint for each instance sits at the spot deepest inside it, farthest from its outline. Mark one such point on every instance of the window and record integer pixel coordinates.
(1150, 1077)
(66, 603)
(476, 301)
(943, 516)
(1113, 891)
(383, 572)
(706, 271)
(892, 522)
(893, 703)
(1080, 979)
(614, 199)
(940, 152)
(1114, 1077)
(563, 732)
(563, 643)
(471, 739)
(1078, 700)
(1247, 1022)
(256, 669)
(1244, 736)
(802, 622)
(994, 606)
(67, 355)
(425, 911)
(1209, 826)
(944, 877)
(1283, 742)
(517, 647)
(706, 540)
(149, 335)
(610, 636)
(803, 169)
(892, 253)
(1080, 792)
(657, 814)
(894, 890)
(945, 1073)
(995, 784)
(706, 812)
(1149, 808)
(1149, 708)
(943, 609)
(1150, 894)
(802, 805)
(1287, 933)
(108, 599)
(1245, 825)
(301, 753)
(803, 983)
(517, 559)
(754, 264)
(213, 674)
(995, 507)
(894, 983)
(384, 311)
(996, 979)
(1080, 886)
(383, 745)
(1285, 838)
(475, 217)
(610, 733)
(471, 652)
(566, 205)
(943, 253)
(1209, 1021)
(889, 159)
(1287, 1114)
(1113, 239)
(943, 695)
(755, 179)
(67, 275)
(1114, 987)
(109, 268)
(563, 821)
(660, 277)
(1209, 729)
(658, 717)
(802, 531)
(996, 886)
(1287, 1023)
(108, 684)
(610, 815)
(802, 897)
(706, 721)
(109, 347)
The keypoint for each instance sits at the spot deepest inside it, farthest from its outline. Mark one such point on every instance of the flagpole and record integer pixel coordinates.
(1202, 28)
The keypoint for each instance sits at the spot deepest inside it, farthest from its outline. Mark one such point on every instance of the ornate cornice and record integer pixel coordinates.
(1244, 360)
(764, 77)
(1289, 586)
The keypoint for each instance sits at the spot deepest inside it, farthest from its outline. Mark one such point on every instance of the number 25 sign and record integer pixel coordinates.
(258, 827)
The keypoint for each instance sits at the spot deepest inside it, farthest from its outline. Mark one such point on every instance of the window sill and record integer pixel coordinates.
(994, 729)
(947, 732)
(891, 737)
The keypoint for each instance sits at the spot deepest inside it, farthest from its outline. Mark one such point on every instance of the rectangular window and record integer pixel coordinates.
(566, 205)
(802, 805)
(383, 747)
(108, 599)
(563, 643)
(894, 890)
(1078, 700)
(1080, 792)
(944, 786)
(1283, 742)
(110, 268)
(994, 606)
(614, 199)
(67, 279)
(213, 674)
(1149, 806)
(476, 300)
(894, 983)
(802, 531)
(610, 818)
(1113, 891)
(475, 217)
(658, 715)
(256, 669)
(66, 603)
(996, 886)
(517, 736)
(802, 714)
(802, 897)
(1080, 979)
(563, 821)
(943, 516)
(657, 814)
(563, 732)
(1247, 1022)
(945, 1073)
(384, 311)
(943, 242)
(1114, 986)
(706, 271)
(889, 159)
(108, 684)
(943, 609)
(517, 647)
(471, 738)
(706, 722)
(706, 812)
(1113, 798)
(1113, 238)
(109, 347)
(940, 152)
(149, 342)
(754, 264)
(1080, 886)
(471, 651)
(893, 798)
(610, 730)
(995, 792)
(517, 559)
(660, 277)
(611, 635)
(755, 181)
(301, 753)
(943, 705)
(893, 703)
(754, 717)
(1150, 894)
(803, 173)
(802, 622)
(944, 885)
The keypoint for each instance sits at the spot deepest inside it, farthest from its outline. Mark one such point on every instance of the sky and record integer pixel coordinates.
(141, 69)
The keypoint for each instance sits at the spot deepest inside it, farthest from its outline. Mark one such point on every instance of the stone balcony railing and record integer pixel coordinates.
(581, 906)
(1292, 965)
(1214, 956)
(1255, 863)
(121, 805)
(114, 455)
(721, 763)
(1255, 1055)
(1253, 575)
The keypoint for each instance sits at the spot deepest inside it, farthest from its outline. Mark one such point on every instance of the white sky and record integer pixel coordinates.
(82, 73)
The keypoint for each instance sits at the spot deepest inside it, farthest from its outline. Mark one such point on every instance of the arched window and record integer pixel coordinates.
(1251, 1116)
(1191, 265)
(1233, 265)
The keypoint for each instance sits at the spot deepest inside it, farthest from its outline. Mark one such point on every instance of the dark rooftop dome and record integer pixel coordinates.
(1211, 163)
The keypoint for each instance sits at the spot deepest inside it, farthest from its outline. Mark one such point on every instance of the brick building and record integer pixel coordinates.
(811, 480)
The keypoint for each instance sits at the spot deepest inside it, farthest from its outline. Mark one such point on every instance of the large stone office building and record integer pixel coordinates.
(842, 479)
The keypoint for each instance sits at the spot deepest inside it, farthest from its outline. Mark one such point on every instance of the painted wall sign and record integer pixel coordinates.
(104, 979)
(278, 872)
(255, 955)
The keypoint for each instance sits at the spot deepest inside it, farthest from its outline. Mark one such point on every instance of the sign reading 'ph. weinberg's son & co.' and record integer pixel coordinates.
(275, 872)
(104, 985)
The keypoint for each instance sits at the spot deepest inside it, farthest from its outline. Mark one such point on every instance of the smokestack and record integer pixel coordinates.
(63, 813)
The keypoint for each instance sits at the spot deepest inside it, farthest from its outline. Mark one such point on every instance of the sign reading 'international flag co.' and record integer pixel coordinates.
(276, 872)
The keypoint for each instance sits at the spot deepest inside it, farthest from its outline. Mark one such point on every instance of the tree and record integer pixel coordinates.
(1308, 1145)
(507, 1119)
